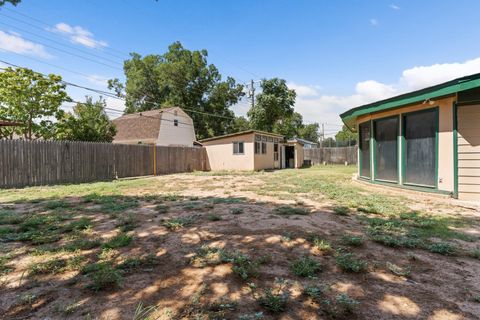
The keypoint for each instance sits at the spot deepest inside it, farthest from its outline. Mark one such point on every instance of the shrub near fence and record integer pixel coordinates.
(33, 163)
(331, 155)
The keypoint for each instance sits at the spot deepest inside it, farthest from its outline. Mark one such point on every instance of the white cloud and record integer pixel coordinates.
(374, 22)
(394, 7)
(304, 91)
(13, 42)
(78, 35)
(327, 108)
(98, 80)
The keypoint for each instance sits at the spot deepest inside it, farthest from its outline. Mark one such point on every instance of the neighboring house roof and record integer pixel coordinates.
(440, 90)
(138, 126)
(241, 133)
(301, 141)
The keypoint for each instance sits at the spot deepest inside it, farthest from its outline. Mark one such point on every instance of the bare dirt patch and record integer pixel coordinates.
(206, 246)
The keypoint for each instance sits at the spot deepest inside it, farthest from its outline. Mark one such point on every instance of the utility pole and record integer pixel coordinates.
(252, 93)
(322, 135)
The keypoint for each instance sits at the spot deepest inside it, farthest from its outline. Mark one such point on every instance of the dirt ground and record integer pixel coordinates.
(188, 234)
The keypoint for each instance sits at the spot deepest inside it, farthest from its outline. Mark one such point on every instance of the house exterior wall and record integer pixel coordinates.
(221, 157)
(267, 160)
(171, 135)
(445, 154)
(299, 156)
(468, 118)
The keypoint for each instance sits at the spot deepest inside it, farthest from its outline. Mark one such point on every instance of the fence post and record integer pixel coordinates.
(154, 159)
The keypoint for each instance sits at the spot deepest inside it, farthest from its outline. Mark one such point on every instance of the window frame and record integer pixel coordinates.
(175, 122)
(370, 150)
(374, 149)
(404, 150)
(238, 143)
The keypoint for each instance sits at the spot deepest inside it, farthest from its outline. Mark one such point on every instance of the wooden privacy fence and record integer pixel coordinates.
(33, 163)
(331, 155)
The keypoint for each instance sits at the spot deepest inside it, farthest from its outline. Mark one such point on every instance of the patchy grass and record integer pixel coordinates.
(349, 263)
(214, 217)
(275, 299)
(103, 276)
(289, 211)
(56, 265)
(305, 267)
(352, 240)
(237, 210)
(320, 243)
(242, 265)
(341, 210)
(444, 248)
(179, 222)
(397, 270)
(118, 241)
(161, 208)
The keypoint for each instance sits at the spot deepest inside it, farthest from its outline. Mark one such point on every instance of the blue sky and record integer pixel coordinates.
(336, 54)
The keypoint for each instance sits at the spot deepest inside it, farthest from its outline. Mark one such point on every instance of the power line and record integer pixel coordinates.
(58, 42)
(50, 26)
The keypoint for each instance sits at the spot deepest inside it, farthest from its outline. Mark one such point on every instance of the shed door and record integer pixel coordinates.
(468, 118)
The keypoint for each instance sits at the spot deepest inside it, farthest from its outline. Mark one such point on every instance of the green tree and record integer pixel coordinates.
(289, 126)
(88, 122)
(32, 99)
(274, 103)
(310, 132)
(240, 124)
(293, 126)
(182, 78)
(346, 137)
(14, 2)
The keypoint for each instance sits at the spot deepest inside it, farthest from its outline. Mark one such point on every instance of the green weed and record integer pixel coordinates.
(178, 222)
(161, 208)
(214, 217)
(118, 241)
(341, 210)
(236, 210)
(352, 240)
(288, 211)
(443, 248)
(305, 267)
(347, 262)
(103, 276)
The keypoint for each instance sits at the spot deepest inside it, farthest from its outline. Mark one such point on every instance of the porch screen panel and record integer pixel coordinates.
(420, 147)
(364, 130)
(386, 149)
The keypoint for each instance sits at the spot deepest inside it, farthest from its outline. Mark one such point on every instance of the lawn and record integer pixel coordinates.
(289, 244)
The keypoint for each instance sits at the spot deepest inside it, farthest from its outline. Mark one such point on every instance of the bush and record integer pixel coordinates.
(305, 267)
(347, 262)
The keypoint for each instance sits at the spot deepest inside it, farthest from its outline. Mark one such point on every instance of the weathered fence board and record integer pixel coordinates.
(33, 163)
(331, 155)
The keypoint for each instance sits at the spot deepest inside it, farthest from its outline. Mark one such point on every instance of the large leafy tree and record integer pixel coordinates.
(182, 78)
(293, 126)
(274, 103)
(88, 122)
(32, 99)
(346, 137)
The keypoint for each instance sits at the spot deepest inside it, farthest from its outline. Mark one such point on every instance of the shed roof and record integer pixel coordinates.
(143, 125)
(241, 133)
(444, 89)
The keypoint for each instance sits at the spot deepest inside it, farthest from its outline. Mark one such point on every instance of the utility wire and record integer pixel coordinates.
(38, 21)
(58, 42)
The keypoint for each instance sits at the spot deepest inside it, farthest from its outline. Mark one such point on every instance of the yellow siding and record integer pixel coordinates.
(469, 152)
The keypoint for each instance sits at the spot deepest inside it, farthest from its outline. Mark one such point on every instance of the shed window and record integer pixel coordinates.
(238, 147)
(264, 147)
(386, 149)
(364, 131)
(420, 147)
(175, 123)
(258, 147)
